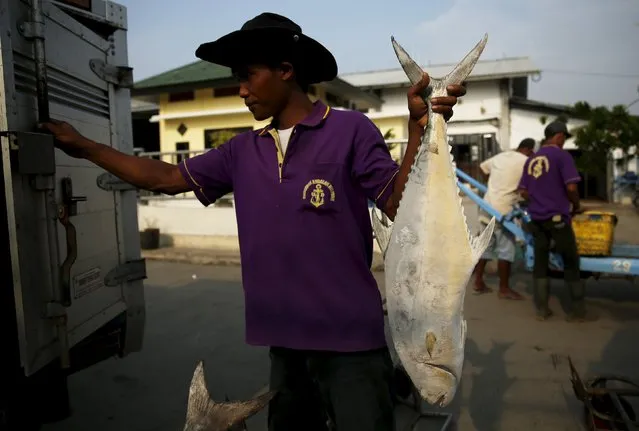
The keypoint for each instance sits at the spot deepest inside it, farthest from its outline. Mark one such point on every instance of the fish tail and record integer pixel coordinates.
(415, 73)
(458, 75)
(464, 67)
(202, 409)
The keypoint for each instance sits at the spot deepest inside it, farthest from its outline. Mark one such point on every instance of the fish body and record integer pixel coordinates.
(204, 414)
(430, 253)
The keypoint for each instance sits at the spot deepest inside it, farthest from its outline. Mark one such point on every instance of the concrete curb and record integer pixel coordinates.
(192, 258)
(216, 258)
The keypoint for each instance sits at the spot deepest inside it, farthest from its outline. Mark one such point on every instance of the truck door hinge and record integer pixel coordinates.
(129, 271)
(109, 182)
(122, 76)
(31, 30)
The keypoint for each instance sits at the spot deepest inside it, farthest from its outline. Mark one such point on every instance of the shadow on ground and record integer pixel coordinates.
(515, 376)
(147, 391)
(490, 381)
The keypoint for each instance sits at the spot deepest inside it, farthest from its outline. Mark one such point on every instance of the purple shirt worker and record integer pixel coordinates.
(301, 187)
(549, 183)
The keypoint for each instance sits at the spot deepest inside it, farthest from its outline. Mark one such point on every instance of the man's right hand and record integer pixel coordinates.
(67, 138)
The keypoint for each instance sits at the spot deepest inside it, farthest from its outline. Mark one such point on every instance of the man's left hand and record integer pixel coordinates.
(442, 105)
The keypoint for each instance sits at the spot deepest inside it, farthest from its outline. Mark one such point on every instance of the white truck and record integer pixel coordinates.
(72, 293)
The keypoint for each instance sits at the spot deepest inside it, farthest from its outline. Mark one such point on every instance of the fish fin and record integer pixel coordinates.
(382, 230)
(198, 393)
(479, 243)
(202, 409)
(235, 413)
(464, 67)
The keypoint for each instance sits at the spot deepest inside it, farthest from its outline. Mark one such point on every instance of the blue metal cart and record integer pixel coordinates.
(624, 259)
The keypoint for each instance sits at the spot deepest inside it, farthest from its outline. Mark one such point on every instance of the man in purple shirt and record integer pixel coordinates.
(549, 183)
(301, 187)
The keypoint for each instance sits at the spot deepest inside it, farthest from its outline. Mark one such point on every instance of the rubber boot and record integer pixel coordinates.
(577, 313)
(541, 294)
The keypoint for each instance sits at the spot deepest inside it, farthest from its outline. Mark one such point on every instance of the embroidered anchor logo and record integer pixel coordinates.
(318, 193)
(317, 196)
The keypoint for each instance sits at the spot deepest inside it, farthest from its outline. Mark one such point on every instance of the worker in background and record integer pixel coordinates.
(504, 173)
(549, 183)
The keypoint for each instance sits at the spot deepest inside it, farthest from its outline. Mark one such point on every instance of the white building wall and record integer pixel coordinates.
(527, 124)
(481, 102)
(478, 112)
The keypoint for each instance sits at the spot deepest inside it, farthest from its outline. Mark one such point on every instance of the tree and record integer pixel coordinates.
(606, 130)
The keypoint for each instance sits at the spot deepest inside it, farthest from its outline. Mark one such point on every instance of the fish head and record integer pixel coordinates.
(204, 414)
(439, 385)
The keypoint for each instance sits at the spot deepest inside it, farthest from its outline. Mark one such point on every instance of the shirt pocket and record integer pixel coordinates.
(322, 190)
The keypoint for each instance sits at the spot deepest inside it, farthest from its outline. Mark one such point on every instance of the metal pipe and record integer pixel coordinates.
(50, 204)
(37, 19)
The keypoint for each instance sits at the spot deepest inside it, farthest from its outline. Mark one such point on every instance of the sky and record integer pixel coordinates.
(586, 49)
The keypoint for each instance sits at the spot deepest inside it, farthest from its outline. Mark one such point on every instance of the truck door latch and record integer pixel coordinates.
(66, 210)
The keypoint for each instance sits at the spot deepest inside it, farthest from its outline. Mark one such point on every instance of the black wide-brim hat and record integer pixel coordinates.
(272, 35)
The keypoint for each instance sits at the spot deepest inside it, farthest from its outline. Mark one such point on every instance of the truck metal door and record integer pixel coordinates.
(78, 210)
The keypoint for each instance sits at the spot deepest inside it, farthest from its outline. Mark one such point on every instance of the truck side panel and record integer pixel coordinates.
(105, 222)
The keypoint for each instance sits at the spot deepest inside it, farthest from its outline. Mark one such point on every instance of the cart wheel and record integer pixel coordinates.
(604, 414)
(604, 406)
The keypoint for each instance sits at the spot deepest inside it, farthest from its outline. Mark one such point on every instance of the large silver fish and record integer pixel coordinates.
(204, 414)
(430, 254)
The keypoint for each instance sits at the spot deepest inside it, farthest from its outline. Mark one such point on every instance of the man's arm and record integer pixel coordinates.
(208, 174)
(570, 177)
(415, 133)
(373, 167)
(144, 173)
(573, 196)
(522, 189)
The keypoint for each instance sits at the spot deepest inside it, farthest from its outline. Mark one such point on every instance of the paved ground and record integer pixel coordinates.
(515, 377)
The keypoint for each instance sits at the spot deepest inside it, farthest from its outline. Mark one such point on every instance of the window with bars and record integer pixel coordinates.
(226, 91)
(181, 96)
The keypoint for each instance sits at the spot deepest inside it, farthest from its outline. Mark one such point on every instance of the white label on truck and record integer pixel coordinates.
(87, 282)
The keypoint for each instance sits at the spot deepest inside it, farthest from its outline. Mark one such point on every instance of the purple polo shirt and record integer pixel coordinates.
(304, 227)
(545, 176)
